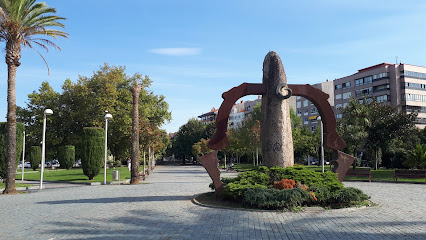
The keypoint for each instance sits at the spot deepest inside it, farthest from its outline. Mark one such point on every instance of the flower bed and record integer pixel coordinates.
(290, 188)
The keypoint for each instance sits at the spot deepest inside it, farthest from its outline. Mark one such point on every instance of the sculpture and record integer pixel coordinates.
(276, 138)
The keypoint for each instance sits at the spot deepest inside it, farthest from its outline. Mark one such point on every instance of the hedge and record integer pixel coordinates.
(93, 147)
(66, 156)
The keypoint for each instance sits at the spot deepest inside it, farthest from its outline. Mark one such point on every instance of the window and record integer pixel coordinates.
(346, 85)
(306, 121)
(346, 95)
(298, 104)
(338, 106)
(313, 128)
(339, 115)
(305, 103)
(385, 98)
(314, 110)
(338, 96)
(359, 82)
(298, 97)
(338, 86)
(345, 104)
(299, 113)
(368, 79)
(306, 111)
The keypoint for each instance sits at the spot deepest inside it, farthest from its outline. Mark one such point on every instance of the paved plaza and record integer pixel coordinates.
(162, 209)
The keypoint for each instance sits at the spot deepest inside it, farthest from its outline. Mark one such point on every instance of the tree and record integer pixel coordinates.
(35, 157)
(417, 157)
(136, 89)
(66, 156)
(188, 134)
(20, 136)
(22, 23)
(386, 124)
(200, 148)
(373, 125)
(82, 104)
(93, 151)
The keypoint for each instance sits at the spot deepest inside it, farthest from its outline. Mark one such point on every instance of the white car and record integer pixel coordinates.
(26, 165)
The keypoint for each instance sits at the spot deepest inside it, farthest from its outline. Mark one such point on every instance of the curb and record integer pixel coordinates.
(305, 209)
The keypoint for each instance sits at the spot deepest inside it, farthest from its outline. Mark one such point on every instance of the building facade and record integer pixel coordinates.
(400, 85)
(239, 112)
(307, 110)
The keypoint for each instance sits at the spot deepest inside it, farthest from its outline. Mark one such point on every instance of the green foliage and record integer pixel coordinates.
(417, 157)
(236, 190)
(271, 198)
(189, 134)
(66, 156)
(82, 103)
(35, 157)
(3, 146)
(93, 151)
(306, 176)
(350, 194)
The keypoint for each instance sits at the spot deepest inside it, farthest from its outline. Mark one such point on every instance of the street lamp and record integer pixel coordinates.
(23, 157)
(43, 151)
(107, 117)
(322, 143)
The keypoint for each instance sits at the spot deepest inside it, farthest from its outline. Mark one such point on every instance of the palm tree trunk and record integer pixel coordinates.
(135, 134)
(13, 54)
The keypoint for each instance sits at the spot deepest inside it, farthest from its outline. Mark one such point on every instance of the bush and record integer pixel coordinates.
(93, 151)
(235, 190)
(284, 184)
(350, 194)
(3, 146)
(271, 198)
(35, 157)
(306, 176)
(66, 156)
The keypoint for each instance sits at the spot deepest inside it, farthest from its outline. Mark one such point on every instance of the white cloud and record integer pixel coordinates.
(177, 51)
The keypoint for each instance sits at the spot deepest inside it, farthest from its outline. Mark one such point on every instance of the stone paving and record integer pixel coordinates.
(162, 209)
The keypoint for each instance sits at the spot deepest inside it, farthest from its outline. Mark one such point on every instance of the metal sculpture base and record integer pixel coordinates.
(209, 162)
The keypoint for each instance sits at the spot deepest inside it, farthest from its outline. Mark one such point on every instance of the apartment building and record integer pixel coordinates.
(399, 85)
(307, 110)
(208, 117)
(239, 112)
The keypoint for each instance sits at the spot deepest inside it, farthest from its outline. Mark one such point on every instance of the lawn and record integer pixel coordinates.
(74, 175)
(2, 185)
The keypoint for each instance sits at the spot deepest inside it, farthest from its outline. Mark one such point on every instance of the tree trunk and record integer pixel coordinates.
(135, 134)
(13, 54)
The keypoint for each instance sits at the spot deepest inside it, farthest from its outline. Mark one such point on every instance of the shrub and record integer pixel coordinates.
(93, 151)
(350, 194)
(306, 176)
(235, 190)
(271, 198)
(35, 157)
(254, 177)
(66, 156)
(284, 184)
(3, 145)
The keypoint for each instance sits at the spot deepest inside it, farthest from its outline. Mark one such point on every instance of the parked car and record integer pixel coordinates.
(26, 164)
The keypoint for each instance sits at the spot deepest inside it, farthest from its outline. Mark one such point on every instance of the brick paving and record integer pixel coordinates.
(162, 209)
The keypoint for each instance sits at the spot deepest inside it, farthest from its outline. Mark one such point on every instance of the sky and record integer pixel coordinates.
(193, 50)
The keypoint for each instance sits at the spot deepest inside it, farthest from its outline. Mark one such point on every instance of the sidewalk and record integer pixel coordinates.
(161, 208)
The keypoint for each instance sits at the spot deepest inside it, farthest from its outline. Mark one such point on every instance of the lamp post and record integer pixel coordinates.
(43, 147)
(322, 143)
(108, 116)
(23, 157)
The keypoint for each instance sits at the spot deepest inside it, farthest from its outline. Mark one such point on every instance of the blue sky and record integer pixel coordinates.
(196, 50)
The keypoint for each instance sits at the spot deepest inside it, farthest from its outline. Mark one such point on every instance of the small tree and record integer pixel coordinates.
(19, 137)
(66, 156)
(93, 151)
(417, 157)
(35, 157)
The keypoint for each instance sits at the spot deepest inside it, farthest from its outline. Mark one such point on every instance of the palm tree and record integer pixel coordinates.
(23, 23)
